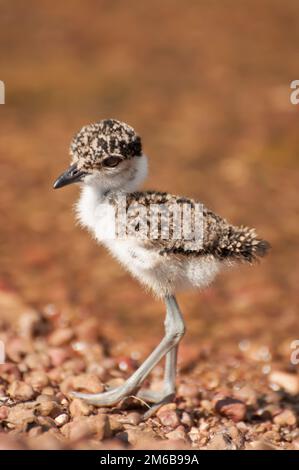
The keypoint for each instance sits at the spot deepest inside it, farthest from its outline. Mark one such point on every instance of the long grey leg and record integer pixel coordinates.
(168, 390)
(174, 330)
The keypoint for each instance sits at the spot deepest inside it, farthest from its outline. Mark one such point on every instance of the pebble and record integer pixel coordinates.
(88, 330)
(87, 426)
(48, 391)
(231, 408)
(75, 366)
(47, 406)
(194, 435)
(62, 419)
(46, 422)
(289, 382)
(206, 405)
(221, 441)
(37, 379)
(168, 416)
(131, 418)
(35, 431)
(20, 391)
(188, 390)
(58, 356)
(246, 394)
(10, 372)
(31, 323)
(89, 383)
(37, 361)
(16, 348)
(19, 416)
(285, 418)
(61, 336)
(259, 445)
(4, 410)
(138, 436)
(178, 434)
(79, 407)
(186, 419)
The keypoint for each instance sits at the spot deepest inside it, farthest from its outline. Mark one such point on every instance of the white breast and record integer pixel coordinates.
(164, 275)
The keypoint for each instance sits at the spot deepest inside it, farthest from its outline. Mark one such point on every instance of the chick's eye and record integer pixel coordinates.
(111, 161)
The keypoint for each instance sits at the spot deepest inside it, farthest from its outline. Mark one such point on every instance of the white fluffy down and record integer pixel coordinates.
(163, 275)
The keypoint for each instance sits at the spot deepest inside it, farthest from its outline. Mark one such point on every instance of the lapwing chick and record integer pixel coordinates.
(167, 242)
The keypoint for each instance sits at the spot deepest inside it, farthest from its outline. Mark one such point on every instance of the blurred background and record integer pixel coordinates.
(207, 85)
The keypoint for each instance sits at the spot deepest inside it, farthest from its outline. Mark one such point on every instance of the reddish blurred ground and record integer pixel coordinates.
(207, 86)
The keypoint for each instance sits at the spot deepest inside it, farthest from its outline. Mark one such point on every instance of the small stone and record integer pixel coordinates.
(19, 417)
(178, 434)
(20, 391)
(203, 426)
(188, 390)
(35, 431)
(131, 418)
(37, 361)
(46, 422)
(88, 330)
(31, 323)
(221, 441)
(61, 336)
(289, 382)
(194, 435)
(246, 394)
(62, 419)
(260, 445)
(48, 391)
(4, 410)
(57, 375)
(295, 444)
(58, 356)
(16, 348)
(48, 440)
(79, 407)
(231, 408)
(126, 364)
(47, 406)
(168, 416)
(137, 436)
(206, 405)
(186, 419)
(87, 426)
(75, 366)
(89, 383)
(285, 418)
(115, 382)
(37, 379)
(10, 372)
(115, 422)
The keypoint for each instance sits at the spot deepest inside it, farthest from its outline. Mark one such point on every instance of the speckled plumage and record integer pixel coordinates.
(163, 265)
(96, 141)
(220, 239)
(108, 161)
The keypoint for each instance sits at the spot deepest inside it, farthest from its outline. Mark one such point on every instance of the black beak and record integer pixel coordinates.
(71, 175)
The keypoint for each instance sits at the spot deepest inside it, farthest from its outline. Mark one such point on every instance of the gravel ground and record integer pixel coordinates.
(219, 404)
(217, 123)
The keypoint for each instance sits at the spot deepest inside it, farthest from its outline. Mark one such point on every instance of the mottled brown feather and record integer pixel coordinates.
(220, 239)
